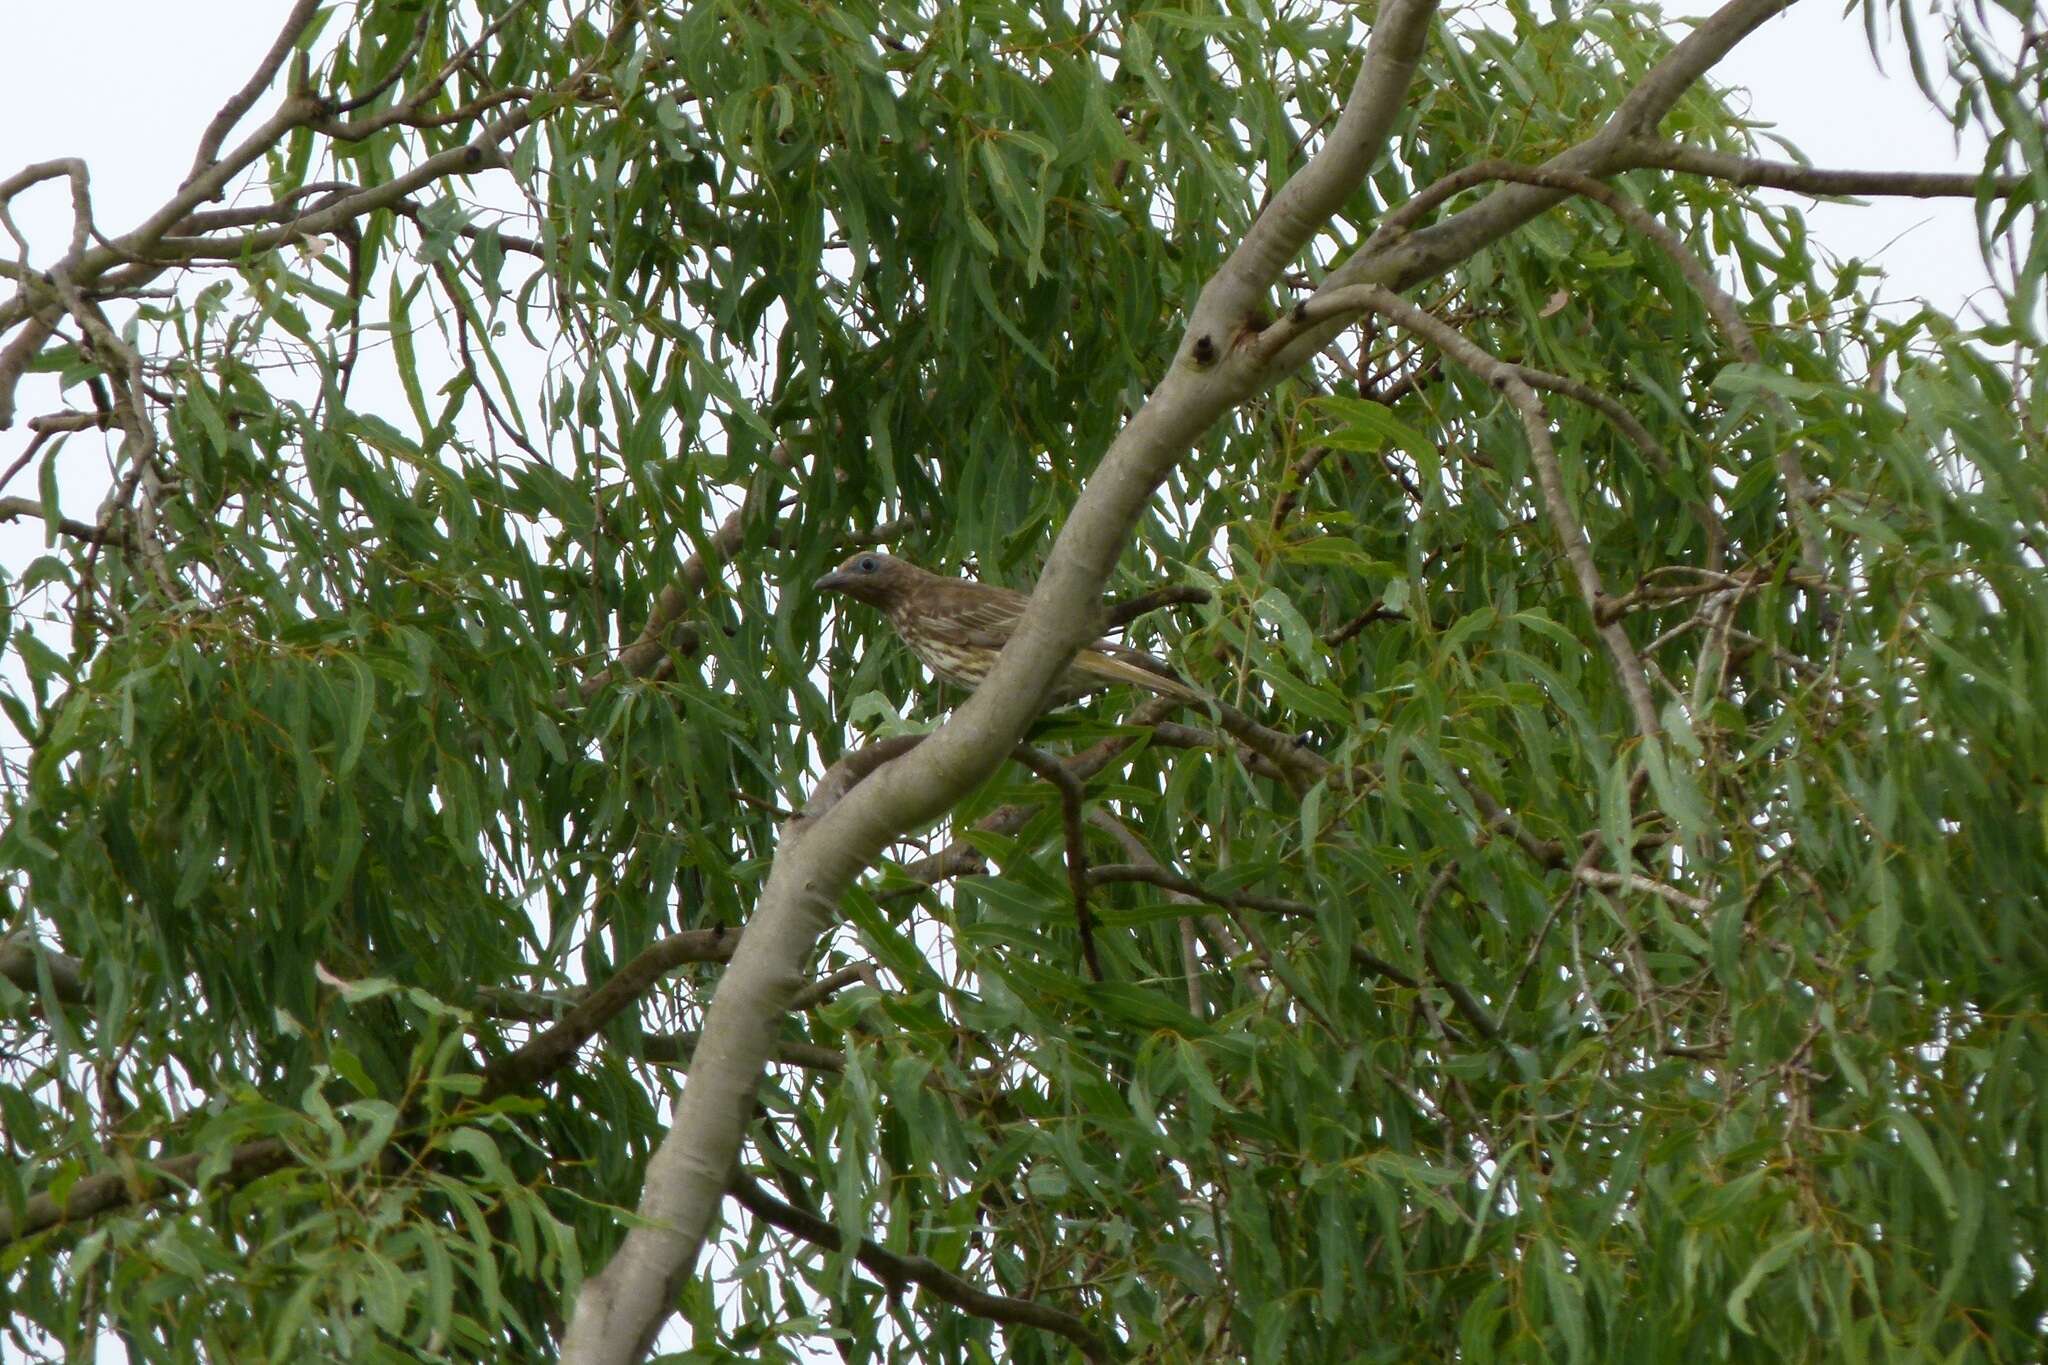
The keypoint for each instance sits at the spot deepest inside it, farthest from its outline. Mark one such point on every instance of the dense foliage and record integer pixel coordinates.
(443, 648)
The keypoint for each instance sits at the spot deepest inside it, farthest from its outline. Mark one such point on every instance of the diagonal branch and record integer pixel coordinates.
(23, 961)
(619, 1310)
(897, 1271)
(547, 1053)
(549, 1050)
(242, 100)
(12, 508)
(1430, 251)
(1542, 452)
(148, 1181)
(1303, 206)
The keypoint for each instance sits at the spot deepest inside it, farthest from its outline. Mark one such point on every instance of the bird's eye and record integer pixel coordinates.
(868, 564)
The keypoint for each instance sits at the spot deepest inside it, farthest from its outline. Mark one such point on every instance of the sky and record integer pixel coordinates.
(1810, 77)
(159, 71)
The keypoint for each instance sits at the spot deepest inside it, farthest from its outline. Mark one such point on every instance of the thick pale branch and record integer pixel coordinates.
(620, 1309)
(1304, 204)
(73, 170)
(20, 353)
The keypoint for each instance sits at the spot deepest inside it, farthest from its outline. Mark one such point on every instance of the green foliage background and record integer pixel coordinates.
(1729, 1045)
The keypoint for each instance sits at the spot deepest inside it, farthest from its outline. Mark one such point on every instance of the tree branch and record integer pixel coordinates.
(150, 1180)
(19, 354)
(1130, 609)
(896, 1272)
(1620, 881)
(1542, 453)
(13, 508)
(1819, 181)
(620, 1309)
(239, 104)
(676, 1049)
(23, 962)
(1303, 205)
(551, 1049)
(1428, 252)
(1111, 873)
(1073, 798)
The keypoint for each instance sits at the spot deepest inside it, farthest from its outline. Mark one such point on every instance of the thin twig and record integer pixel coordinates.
(825, 987)
(1818, 180)
(1191, 965)
(240, 102)
(1719, 303)
(1543, 454)
(1073, 797)
(1629, 881)
(1112, 873)
(1130, 609)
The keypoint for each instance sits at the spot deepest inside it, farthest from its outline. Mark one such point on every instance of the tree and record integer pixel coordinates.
(1598, 916)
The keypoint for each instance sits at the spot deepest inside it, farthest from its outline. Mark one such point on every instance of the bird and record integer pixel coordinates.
(956, 628)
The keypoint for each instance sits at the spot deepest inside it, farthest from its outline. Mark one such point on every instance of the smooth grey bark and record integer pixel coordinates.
(1222, 361)
(621, 1308)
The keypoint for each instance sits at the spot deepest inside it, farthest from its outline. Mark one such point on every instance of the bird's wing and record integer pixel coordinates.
(989, 616)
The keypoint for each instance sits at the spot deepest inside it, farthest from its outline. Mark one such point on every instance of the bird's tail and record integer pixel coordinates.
(1121, 664)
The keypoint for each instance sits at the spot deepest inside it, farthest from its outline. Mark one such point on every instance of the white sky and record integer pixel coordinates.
(1810, 76)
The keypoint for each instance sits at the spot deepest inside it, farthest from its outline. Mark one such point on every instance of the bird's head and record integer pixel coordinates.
(871, 577)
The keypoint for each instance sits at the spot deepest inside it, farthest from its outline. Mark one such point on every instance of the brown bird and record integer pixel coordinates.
(957, 628)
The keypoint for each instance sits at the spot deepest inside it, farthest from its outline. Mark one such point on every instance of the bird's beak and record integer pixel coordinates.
(832, 582)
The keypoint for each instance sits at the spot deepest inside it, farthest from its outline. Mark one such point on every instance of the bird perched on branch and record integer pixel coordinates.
(957, 628)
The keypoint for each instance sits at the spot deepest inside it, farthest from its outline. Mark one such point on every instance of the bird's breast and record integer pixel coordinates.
(943, 654)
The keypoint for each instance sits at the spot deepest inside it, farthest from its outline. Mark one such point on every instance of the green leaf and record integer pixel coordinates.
(1743, 378)
(1921, 1148)
(1775, 1256)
